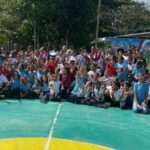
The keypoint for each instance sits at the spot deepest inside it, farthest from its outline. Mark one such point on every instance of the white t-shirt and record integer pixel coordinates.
(55, 86)
(125, 95)
(85, 92)
(117, 94)
(107, 81)
(130, 67)
(13, 60)
(125, 57)
(3, 80)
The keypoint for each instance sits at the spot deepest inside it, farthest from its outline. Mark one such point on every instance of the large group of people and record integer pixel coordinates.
(112, 78)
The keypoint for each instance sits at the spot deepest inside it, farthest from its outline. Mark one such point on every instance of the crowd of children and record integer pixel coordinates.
(113, 78)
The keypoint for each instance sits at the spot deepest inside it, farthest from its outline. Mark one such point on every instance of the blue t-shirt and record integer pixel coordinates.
(45, 87)
(31, 76)
(122, 65)
(122, 76)
(36, 87)
(25, 87)
(15, 83)
(78, 84)
(136, 71)
(2, 58)
(141, 89)
(22, 72)
(39, 74)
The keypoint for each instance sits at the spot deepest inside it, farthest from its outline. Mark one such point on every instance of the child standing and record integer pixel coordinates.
(55, 86)
(66, 82)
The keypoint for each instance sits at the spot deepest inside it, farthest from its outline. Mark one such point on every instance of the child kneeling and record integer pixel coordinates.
(141, 89)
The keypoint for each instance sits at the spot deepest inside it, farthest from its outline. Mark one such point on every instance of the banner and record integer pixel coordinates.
(125, 43)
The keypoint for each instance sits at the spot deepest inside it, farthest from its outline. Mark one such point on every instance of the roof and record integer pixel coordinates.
(142, 35)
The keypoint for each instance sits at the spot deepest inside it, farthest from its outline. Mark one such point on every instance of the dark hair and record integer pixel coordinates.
(16, 73)
(120, 50)
(121, 69)
(146, 71)
(113, 57)
(127, 83)
(116, 83)
(139, 62)
(120, 57)
(130, 78)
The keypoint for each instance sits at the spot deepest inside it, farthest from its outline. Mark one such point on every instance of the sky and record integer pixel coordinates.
(146, 1)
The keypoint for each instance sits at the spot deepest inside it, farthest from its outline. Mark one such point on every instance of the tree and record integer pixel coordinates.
(68, 21)
(124, 17)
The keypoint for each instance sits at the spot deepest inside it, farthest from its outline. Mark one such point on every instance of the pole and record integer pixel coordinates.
(67, 37)
(35, 38)
(98, 21)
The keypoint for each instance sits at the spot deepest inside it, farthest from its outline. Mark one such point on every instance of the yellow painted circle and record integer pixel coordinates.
(39, 144)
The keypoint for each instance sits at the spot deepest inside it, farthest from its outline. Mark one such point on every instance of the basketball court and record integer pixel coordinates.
(32, 125)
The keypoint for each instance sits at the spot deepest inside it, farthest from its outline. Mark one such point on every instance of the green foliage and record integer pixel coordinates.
(146, 55)
(74, 21)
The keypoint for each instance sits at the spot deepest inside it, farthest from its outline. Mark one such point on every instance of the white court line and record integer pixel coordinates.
(52, 128)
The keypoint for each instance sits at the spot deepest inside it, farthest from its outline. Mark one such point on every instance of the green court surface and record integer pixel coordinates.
(112, 127)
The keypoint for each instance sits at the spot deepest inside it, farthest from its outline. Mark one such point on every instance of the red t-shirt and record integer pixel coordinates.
(7, 73)
(50, 67)
(73, 71)
(111, 69)
(41, 65)
(66, 80)
(95, 56)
